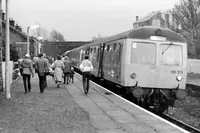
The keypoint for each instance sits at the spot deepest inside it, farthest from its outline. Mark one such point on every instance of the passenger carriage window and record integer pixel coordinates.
(171, 55)
(115, 46)
(143, 53)
(105, 48)
(90, 50)
(94, 50)
(116, 55)
(98, 54)
(111, 47)
(108, 48)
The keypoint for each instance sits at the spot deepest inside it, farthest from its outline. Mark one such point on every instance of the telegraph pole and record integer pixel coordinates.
(7, 53)
(28, 47)
(1, 46)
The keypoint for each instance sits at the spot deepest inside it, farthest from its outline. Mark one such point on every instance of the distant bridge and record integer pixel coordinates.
(57, 48)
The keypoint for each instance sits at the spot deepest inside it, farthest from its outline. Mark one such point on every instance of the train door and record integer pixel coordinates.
(107, 62)
(115, 69)
(100, 60)
(93, 58)
(82, 53)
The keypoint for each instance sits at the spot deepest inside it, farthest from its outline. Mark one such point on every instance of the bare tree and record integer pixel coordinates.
(40, 32)
(188, 17)
(56, 36)
(95, 38)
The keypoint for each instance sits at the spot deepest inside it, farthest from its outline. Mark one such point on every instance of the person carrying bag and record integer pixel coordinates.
(27, 70)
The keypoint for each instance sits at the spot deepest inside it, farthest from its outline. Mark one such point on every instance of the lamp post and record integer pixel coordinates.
(30, 27)
(1, 49)
(40, 37)
(37, 45)
(7, 76)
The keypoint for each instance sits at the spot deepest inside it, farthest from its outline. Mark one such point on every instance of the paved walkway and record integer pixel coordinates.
(54, 111)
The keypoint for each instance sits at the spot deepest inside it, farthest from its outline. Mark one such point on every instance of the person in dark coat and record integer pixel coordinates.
(45, 57)
(66, 69)
(72, 75)
(27, 70)
(40, 67)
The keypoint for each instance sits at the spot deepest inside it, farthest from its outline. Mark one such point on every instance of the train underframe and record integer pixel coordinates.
(154, 99)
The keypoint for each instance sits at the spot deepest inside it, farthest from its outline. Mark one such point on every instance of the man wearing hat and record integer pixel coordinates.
(27, 71)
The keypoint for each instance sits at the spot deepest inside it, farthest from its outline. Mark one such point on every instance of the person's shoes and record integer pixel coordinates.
(25, 92)
(29, 90)
(85, 91)
(58, 86)
(41, 92)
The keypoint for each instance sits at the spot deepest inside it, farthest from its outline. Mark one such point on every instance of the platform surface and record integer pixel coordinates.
(112, 114)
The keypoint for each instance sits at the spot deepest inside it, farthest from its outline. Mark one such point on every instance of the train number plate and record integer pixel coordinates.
(176, 72)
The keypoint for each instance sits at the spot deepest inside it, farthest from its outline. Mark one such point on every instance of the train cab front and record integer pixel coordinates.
(156, 71)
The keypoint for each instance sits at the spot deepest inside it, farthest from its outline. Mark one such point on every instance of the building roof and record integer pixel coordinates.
(20, 32)
(147, 18)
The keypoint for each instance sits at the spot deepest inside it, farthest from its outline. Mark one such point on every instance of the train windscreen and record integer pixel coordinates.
(143, 53)
(171, 55)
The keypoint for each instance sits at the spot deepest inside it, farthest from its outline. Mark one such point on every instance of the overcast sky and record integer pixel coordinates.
(80, 20)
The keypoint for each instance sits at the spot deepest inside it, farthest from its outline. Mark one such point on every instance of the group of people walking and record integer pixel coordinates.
(42, 67)
(59, 70)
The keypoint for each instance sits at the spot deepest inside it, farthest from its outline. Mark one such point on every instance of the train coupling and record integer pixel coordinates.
(137, 92)
(181, 94)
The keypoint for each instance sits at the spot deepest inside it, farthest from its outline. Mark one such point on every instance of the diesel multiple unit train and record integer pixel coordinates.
(146, 64)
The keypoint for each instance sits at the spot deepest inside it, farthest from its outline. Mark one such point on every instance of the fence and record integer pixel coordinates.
(193, 66)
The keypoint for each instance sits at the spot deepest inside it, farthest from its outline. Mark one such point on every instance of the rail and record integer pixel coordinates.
(180, 124)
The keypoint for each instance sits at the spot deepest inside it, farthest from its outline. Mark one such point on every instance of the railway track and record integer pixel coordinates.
(180, 123)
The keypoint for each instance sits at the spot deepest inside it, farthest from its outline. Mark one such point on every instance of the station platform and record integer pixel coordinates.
(110, 113)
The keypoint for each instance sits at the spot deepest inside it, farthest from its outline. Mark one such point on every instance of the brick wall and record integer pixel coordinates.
(18, 36)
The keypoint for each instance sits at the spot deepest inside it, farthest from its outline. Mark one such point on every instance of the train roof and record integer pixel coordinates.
(144, 33)
(141, 33)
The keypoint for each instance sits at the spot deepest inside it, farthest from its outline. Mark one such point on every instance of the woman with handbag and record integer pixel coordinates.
(27, 71)
(58, 66)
